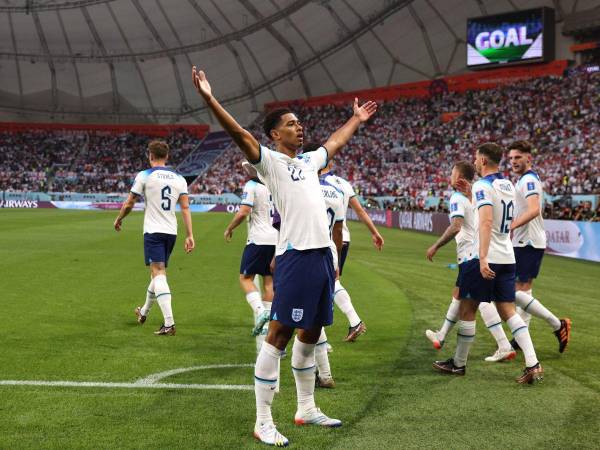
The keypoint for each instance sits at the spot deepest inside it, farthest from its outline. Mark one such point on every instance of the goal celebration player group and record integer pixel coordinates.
(300, 263)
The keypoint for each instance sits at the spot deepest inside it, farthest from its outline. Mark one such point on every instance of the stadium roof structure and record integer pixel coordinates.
(129, 60)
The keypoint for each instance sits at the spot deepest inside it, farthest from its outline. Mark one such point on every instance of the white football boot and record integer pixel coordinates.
(316, 417)
(502, 355)
(268, 434)
(433, 337)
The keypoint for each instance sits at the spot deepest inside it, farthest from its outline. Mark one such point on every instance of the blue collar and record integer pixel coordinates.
(168, 169)
(530, 172)
(493, 176)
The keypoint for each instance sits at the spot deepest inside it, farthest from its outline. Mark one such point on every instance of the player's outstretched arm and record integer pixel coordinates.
(363, 216)
(450, 233)
(184, 204)
(243, 139)
(239, 217)
(341, 136)
(126, 208)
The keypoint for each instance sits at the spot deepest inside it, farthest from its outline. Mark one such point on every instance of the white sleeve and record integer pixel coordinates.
(457, 207)
(264, 165)
(248, 194)
(347, 188)
(339, 212)
(139, 184)
(531, 186)
(483, 193)
(184, 187)
(319, 158)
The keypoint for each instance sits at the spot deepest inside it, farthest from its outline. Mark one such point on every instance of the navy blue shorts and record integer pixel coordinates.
(529, 261)
(256, 259)
(461, 268)
(158, 247)
(304, 283)
(474, 287)
(345, 248)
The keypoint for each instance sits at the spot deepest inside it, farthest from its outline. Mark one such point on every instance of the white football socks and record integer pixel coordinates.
(260, 338)
(535, 308)
(492, 321)
(322, 357)
(521, 334)
(163, 298)
(150, 298)
(265, 381)
(343, 301)
(450, 320)
(303, 366)
(255, 301)
(464, 340)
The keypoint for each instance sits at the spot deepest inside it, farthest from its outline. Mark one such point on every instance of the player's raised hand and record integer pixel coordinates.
(228, 235)
(464, 186)
(431, 251)
(201, 83)
(377, 241)
(364, 112)
(189, 244)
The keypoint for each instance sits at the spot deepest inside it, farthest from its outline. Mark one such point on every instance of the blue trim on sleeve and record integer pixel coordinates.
(247, 204)
(531, 193)
(484, 204)
(136, 193)
(340, 220)
(452, 216)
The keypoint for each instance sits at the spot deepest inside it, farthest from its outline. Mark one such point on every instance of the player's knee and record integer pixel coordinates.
(279, 335)
(158, 269)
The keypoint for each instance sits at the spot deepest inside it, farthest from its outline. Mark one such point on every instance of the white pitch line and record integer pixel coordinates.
(96, 384)
(153, 378)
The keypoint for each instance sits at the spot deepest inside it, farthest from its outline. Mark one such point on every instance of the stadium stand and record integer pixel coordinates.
(408, 149)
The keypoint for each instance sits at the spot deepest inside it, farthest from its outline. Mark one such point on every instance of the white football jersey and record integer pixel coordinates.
(294, 185)
(260, 222)
(334, 201)
(161, 188)
(348, 191)
(532, 233)
(466, 239)
(499, 193)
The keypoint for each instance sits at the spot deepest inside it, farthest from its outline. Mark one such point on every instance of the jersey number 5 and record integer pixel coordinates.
(507, 216)
(166, 200)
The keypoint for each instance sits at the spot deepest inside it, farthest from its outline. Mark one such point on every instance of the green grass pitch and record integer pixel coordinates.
(70, 283)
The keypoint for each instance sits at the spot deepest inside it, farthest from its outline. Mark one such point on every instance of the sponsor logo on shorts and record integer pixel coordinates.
(297, 314)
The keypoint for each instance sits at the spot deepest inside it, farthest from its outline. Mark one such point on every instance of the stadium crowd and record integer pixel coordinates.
(79, 161)
(405, 152)
(408, 149)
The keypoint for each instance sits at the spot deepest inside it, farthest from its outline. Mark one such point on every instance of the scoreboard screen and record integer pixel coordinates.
(512, 38)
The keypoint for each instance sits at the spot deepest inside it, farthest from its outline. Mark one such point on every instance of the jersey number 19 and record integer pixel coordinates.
(507, 216)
